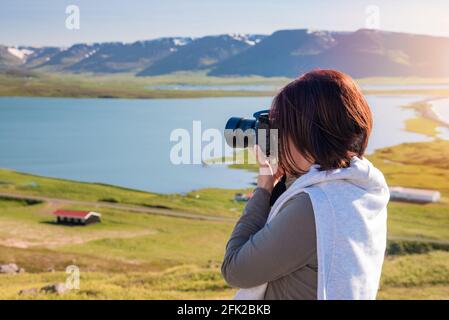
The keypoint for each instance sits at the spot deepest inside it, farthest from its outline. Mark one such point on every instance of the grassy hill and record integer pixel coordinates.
(119, 86)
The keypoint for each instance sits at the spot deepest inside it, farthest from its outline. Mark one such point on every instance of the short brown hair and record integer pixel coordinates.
(325, 116)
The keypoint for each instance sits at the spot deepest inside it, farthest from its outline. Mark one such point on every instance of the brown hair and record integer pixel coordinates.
(325, 116)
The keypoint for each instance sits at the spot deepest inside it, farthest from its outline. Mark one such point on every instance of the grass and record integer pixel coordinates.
(172, 242)
(128, 256)
(418, 221)
(6, 202)
(404, 277)
(126, 85)
(426, 127)
(417, 270)
(419, 276)
(155, 240)
(181, 282)
(419, 165)
(205, 201)
(426, 121)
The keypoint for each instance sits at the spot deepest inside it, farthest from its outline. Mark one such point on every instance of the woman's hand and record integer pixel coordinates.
(269, 173)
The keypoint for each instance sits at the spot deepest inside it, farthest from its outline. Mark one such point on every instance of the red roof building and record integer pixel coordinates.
(76, 217)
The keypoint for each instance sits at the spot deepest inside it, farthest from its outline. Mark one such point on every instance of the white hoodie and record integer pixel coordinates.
(350, 209)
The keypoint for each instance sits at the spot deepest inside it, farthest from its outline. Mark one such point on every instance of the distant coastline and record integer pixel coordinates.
(185, 85)
(429, 111)
(435, 114)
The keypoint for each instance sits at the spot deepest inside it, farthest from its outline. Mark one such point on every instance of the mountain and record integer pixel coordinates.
(39, 56)
(107, 57)
(67, 57)
(202, 53)
(158, 56)
(288, 53)
(29, 57)
(278, 54)
(119, 57)
(10, 57)
(364, 53)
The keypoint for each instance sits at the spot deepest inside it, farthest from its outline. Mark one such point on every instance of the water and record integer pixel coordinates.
(389, 121)
(126, 142)
(441, 108)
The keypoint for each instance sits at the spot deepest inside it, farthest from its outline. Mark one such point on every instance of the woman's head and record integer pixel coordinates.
(321, 117)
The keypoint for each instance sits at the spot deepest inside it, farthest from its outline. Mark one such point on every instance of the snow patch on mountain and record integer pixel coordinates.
(181, 41)
(247, 38)
(20, 53)
(87, 55)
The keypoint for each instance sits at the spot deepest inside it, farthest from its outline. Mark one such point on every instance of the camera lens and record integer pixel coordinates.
(240, 132)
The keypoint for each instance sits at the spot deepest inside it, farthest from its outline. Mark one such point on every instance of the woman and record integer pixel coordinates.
(325, 236)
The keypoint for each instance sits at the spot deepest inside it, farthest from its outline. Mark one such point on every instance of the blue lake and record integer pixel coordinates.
(126, 142)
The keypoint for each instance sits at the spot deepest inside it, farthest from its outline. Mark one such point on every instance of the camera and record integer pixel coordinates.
(244, 132)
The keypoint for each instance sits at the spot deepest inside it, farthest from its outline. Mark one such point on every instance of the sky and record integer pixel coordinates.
(43, 22)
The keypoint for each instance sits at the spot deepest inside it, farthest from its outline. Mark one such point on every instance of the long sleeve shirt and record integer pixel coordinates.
(281, 253)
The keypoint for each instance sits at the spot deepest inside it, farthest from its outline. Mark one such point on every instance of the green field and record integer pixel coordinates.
(205, 202)
(143, 256)
(32, 84)
(124, 85)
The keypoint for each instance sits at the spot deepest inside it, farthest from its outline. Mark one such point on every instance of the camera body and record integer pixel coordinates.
(244, 132)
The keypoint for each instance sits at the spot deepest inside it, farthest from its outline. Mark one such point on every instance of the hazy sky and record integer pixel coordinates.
(42, 22)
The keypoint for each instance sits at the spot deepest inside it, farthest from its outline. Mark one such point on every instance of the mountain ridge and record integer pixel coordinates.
(288, 53)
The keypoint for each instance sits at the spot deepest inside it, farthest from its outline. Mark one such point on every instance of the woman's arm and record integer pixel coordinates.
(257, 253)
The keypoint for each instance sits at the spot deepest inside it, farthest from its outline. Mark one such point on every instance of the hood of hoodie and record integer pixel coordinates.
(360, 173)
(360, 182)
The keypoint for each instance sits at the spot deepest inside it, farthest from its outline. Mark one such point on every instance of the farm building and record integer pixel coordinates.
(414, 195)
(76, 217)
(243, 197)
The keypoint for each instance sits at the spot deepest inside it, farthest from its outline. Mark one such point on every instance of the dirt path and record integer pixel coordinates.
(57, 202)
(19, 235)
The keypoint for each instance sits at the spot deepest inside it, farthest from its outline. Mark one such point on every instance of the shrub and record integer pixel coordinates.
(402, 247)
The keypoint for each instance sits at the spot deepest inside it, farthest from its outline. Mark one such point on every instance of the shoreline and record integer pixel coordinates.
(127, 86)
(427, 111)
(434, 115)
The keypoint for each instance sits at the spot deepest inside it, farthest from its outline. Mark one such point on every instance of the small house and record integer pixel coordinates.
(414, 195)
(76, 217)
